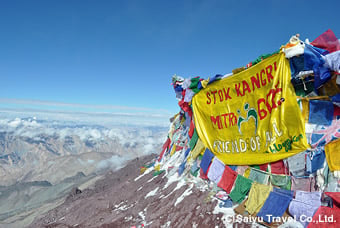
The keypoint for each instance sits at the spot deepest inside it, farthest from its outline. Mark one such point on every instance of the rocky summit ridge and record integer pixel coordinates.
(127, 198)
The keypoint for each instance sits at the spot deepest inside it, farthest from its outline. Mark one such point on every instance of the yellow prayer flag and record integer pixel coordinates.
(257, 197)
(173, 149)
(157, 167)
(332, 151)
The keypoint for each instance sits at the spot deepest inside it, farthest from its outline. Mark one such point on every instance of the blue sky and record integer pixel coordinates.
(118, 54)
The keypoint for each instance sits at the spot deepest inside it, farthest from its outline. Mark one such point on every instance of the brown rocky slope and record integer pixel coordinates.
(127, 198)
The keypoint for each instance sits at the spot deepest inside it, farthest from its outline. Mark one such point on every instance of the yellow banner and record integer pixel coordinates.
(251, 117)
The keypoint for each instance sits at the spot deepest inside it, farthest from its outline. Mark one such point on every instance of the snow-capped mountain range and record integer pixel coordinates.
(32, 149)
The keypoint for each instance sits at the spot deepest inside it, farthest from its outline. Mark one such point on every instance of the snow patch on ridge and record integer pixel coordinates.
(146, 172)
(185, 193)
(152, 193)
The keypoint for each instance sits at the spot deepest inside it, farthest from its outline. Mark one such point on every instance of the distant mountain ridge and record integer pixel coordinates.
(42, 160)
(29, 146)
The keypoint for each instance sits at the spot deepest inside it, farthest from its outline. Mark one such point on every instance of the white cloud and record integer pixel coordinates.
(115, 162)
(138, 140)
(126, 135)
(14, 123)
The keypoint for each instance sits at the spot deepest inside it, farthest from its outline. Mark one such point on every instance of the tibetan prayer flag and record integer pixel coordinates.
(333, 155)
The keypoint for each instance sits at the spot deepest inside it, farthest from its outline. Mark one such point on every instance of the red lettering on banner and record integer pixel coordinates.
(245, 87)
(220, 94)
(264, 77)
(269, 70)
(269, 102)
(232, 119)
(217, 121)
(214, 92)
(255, 81)
(208, 97)
(226, 94)
(223, 95)
(224, 120)
(273, 93)
(263, 81)
(237, 89)
(262, 112)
